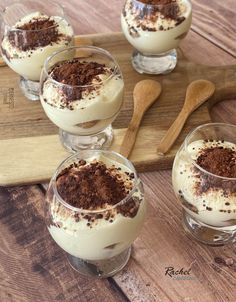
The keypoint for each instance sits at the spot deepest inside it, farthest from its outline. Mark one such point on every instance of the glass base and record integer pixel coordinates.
(154, 64)
(102, 268)
(73, 143)
(30, 89)
(206, 234)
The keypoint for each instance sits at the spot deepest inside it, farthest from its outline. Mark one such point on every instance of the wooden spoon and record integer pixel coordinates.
(145, 93)
(197, 93)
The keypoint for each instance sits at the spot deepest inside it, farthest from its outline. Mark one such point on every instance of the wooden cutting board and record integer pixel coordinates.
(30, 149)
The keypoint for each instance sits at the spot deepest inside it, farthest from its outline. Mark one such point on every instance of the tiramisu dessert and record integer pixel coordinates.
(204, 179)
(155, 27)
(96, 208)
(82, 96)
(27, 43)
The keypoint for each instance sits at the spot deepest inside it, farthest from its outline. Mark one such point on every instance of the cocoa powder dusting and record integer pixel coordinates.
(76, 74)
(93, 186)
(36, 33)
(219, 161)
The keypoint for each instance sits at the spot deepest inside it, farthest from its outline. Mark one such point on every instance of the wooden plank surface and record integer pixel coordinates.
(214, 22)
(25, 125)
(32, 266)
(162, 241)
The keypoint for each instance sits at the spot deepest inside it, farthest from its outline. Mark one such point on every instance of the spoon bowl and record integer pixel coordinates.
(197, 93)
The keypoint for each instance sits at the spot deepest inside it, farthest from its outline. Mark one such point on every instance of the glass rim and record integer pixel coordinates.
(158, 5)
(94, 48)
(186, 143)
(33, 30)
(81, 210)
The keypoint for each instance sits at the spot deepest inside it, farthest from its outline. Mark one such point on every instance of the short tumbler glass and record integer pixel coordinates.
(24, 49)
(85, 120)
(155, 29)
(104, 249)
(208, 200)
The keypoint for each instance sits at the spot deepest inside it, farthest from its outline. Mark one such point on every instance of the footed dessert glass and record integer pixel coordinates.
(96, 236)
(204, 180)
(155, 28)
(82, 95)
(31, 30)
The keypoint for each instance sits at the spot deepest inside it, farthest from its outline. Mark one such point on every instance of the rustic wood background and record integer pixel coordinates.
(33, 268)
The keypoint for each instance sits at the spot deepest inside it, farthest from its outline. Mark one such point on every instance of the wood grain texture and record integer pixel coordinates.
(214, 22)
(29, 256)
(162, 241)
(32, 266)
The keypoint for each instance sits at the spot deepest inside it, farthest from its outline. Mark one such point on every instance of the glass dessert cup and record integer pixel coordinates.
(82, 93)
(155, 30)
(204, 181)
(98, 239)
(32, 30)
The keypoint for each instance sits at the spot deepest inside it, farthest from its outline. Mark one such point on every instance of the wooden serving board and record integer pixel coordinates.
(30, 149)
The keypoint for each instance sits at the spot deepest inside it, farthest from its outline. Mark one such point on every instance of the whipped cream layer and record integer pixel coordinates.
(206, 197)
(107, 230)
(87, 110)
(28, 62)
(151, 31)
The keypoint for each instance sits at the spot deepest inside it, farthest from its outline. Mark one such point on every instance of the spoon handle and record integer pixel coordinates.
(173, 132)
(130, 136)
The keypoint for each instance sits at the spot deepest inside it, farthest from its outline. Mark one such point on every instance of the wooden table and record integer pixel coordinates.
(33, 268)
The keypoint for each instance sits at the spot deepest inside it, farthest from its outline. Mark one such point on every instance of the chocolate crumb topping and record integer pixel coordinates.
(27, 36)
(38, 24)
(219, 161)
(94, 186)
(77, 73)
(74, 72)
